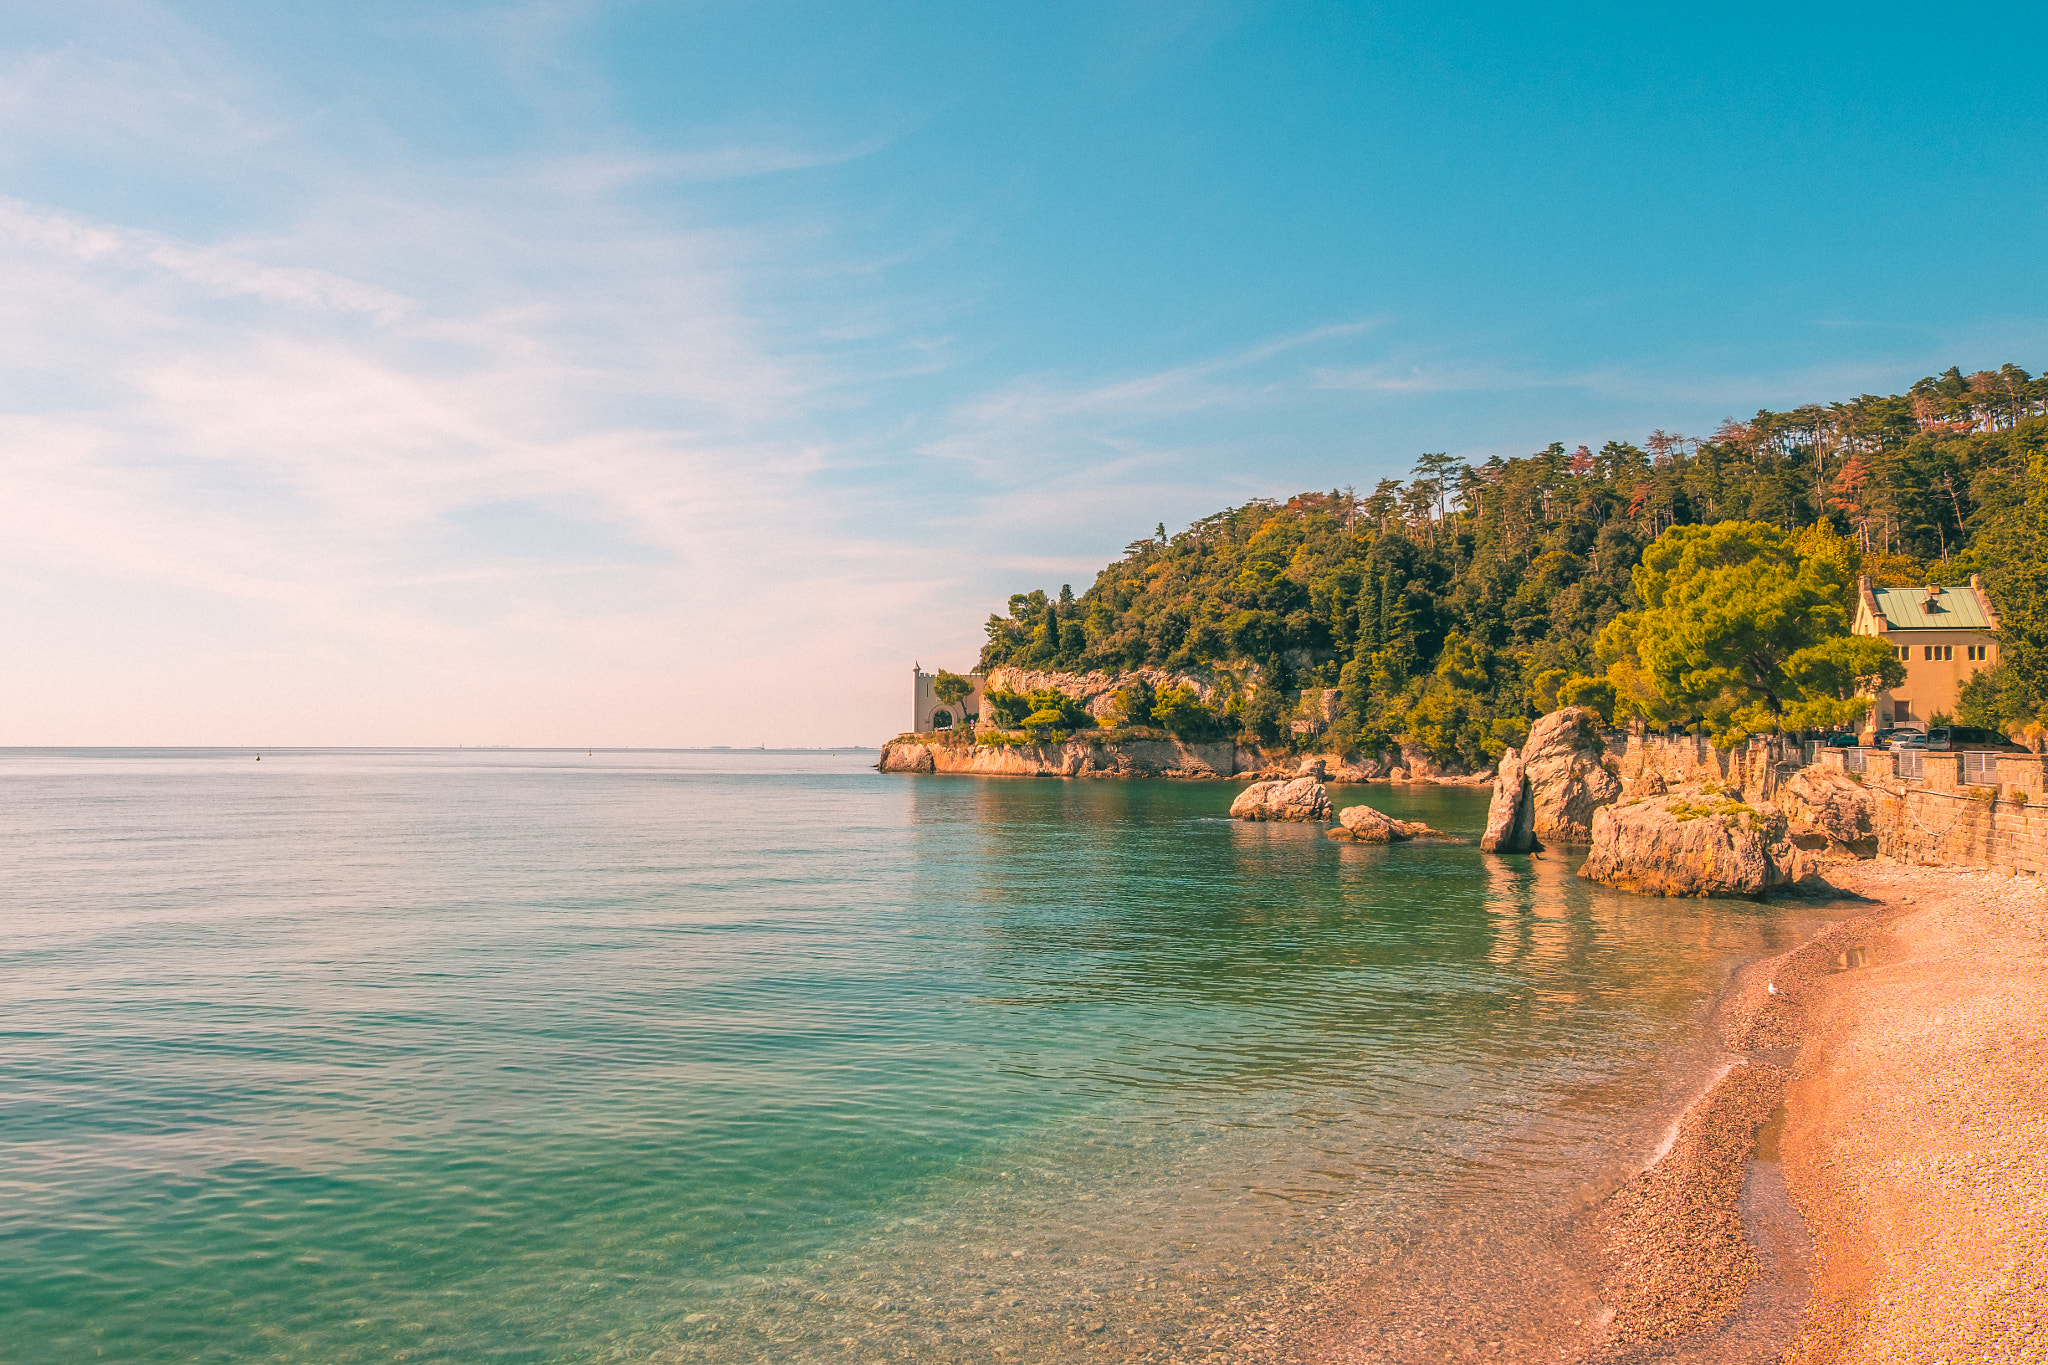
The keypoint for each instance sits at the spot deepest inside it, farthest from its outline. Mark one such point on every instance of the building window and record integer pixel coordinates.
(1948, 651)
(1938, 652)
(1902, 652)
(1980, 651)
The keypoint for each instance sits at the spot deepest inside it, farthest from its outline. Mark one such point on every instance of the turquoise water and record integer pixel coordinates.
(483, 1055)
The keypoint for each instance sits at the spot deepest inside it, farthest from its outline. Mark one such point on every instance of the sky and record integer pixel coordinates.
(668, 374)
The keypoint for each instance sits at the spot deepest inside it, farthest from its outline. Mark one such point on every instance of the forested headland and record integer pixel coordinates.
(1451, 607)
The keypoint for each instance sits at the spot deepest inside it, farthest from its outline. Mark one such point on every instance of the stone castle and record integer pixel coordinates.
(928, 713)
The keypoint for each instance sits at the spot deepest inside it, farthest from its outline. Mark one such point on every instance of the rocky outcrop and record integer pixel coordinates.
(1828, 813)
(1692, 842)
(1364, 825)
(1511, 818)
(1414, 765)
(1570, 775)
(907, 758)
(1297, 798)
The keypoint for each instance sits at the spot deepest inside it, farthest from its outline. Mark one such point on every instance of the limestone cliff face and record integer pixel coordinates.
(1096, 693)
(1829, 813)
(907, 758)
(1071, 758)
(1693, 843)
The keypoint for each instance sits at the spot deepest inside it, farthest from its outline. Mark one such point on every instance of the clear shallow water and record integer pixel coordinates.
(486, 1055)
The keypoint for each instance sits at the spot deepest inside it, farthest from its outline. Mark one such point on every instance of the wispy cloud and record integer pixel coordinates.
(291, 431)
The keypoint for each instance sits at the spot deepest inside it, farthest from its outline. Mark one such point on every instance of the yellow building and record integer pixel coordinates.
(1941, 635)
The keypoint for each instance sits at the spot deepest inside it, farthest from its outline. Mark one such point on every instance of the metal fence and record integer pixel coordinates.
(1978, 770)
(1856, 760)
(1910, 763)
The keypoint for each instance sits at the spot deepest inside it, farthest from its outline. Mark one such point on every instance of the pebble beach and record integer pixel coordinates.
(1907, 1045)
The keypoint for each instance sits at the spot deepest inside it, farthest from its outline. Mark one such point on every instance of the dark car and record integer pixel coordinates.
(1845, 740)
(1947, 739)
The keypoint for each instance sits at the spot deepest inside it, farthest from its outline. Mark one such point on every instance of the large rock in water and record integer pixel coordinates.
(1511, 819)
(1692, 843)
(1364, 825)
(1294, 798)
(1569, 774)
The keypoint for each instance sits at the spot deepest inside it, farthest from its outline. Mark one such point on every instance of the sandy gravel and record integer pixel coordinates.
(1916, 1141)
(1909, 1044)
(1678, 1258)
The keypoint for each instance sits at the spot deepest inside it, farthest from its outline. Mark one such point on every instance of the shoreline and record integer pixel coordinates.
(1897, 1054)
(1860, 1172)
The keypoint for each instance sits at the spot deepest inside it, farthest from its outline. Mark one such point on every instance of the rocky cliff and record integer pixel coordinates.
(1096, 692)
(1079, 757)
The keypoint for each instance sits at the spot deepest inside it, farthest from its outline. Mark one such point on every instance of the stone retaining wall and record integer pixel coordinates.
(1935, 818)
(1940, 820)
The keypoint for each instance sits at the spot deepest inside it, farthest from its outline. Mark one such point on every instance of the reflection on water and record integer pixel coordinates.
(745, 1058)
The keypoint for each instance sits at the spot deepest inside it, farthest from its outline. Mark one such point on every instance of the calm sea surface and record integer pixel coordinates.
(483, 1055)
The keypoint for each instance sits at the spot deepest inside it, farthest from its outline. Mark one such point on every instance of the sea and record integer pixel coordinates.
(344, 1056)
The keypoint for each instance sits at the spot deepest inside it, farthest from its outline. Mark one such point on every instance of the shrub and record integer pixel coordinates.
(1132, 705)
(1007, 709)
(1265, 716)
(1595, 694)
(1047, 726)
(1180, 712)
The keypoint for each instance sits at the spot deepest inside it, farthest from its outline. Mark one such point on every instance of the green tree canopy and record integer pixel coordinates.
(1531, 563)
(1747, 626)
(2015, 557)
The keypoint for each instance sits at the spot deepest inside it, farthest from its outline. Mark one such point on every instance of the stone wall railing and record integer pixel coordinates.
(1962, 810)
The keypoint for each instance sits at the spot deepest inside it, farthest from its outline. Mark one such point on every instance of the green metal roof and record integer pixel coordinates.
(1956, 609)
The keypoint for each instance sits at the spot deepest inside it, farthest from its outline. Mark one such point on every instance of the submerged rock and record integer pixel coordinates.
(1295, 798)
(1570, 775)
(1692, 842)
(1511, 819)
(1364, 825)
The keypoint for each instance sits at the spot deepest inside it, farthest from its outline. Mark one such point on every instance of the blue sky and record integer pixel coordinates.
(584, 373)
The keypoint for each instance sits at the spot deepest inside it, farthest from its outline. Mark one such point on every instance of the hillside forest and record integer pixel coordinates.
(1696, 583)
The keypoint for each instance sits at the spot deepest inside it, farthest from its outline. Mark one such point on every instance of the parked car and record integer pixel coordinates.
(1845, 740)
(1888, 737)
(1953, 738)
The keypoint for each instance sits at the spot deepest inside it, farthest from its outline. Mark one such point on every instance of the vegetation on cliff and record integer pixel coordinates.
(1449, 608)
